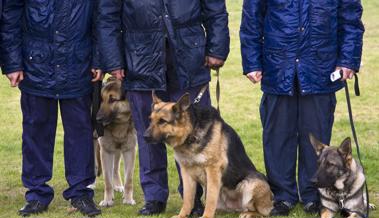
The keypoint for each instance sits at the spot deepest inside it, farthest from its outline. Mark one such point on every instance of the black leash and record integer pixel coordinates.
(96, 101)
(357, 93)
(205, 87)
(218, 89)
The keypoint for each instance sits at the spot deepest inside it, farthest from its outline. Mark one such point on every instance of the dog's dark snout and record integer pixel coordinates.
(99, 117)
(314, 181)
(147, 135)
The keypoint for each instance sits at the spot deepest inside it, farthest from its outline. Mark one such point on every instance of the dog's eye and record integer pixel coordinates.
(112, 100)
(162, 121)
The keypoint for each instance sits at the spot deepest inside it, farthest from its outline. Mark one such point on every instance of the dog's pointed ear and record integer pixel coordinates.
(317, 145)
(156, 99)
(345, 148)
(183, 103)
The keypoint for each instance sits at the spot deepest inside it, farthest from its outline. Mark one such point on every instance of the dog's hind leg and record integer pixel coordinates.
(118, 187)
(257, 197)
(107, 165)
(129, 160)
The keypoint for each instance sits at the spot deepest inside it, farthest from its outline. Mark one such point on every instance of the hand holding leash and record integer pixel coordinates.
(346, 73)
(119, 74)
(97, 75)
(213, 63)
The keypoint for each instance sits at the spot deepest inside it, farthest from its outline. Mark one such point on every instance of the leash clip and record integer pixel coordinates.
(341, 203)
(198, 98)
(200, 95)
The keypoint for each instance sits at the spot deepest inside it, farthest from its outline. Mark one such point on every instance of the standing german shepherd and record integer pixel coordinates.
(210, 152)
(340, 180)
(119, 139)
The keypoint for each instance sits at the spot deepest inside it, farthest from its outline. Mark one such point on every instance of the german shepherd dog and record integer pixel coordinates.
(340, 180)
(119, 140)
(210, 152)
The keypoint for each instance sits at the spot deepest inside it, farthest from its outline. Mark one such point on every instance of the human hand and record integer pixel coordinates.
(213, 63)
(15, 78)
(255, 76)
(119, 74)
(97, 75)
(347, 73)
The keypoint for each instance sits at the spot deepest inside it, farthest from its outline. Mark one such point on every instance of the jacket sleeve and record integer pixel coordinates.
(95, 42)
(11, 36)
(251, 35)
(350, 34)
(215, 21)
(109, 34)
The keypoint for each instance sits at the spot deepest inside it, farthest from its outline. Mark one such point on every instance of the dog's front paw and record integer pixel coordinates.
(178, 216)
(119, 188)
(247, 215)
(372, 206)
(129, 201)
(105, 203)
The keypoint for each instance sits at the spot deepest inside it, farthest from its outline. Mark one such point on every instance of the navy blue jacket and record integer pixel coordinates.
(307, 38)
(132, 35)
(51, 41)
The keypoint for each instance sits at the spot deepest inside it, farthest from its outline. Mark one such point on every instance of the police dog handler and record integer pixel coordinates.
(168, 46)
(48, 51)
(292, 47)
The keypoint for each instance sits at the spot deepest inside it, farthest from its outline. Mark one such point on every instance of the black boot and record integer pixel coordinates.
(281, 208)
(312, 208)
(86, 206)
(32, 208)
(152, 208)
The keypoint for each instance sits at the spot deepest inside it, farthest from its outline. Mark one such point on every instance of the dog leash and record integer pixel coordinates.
(357, 93)
(205, 87)
(96, 101)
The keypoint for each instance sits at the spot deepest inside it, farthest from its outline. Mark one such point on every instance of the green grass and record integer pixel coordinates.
(239, 106)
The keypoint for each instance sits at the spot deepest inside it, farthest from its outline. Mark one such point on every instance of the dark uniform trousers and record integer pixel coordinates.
(287, 122)
(38, 138)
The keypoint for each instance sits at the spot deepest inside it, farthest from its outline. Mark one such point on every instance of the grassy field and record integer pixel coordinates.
(239, 106)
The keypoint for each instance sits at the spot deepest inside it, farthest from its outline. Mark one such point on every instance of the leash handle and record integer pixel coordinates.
(349, 108)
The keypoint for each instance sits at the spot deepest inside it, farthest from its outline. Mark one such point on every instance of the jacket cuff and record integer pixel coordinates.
(250, 69)
(109, 69)
(216, 56)
(349, 65)
(7, 70)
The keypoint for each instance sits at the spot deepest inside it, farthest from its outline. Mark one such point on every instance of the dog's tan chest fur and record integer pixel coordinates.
(214, 154)
(119, 137)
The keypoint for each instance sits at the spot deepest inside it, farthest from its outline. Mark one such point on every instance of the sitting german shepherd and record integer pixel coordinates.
(119, 140)
(210, 152)
(340, 180)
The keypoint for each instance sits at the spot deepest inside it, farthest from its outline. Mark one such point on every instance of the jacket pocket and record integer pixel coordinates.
(83, 51)
(274, 65)
(327, 53)
(37, 52)
(191, 55)
(194, 41)
(274, 59)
